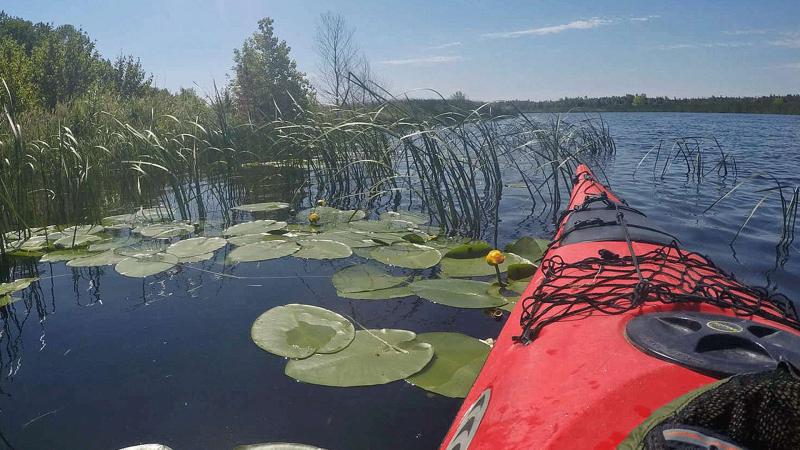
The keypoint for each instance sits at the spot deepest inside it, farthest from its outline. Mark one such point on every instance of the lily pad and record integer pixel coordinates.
(141, 248)
(352, 239)
(262, 207)
(16, 285)
(276, 446)
(408, 255)
(521, 271)
(383, 226)
(378, 294)
(474, 249)
(476, 267)
(457, 293)
(457, 360)
(529, 248)
(84, 229)
(7, 299)
(196, 246)
(146, 265)
(164, 230)
(329, 215)
(374, 357)
(118, 220)
(322, 249)
(65, 255)
(406, 216)
(254, 227)
(111, 244)
(299, 331)
(364, 277)
(106, 258)
(79, 240)
(196, 258)
(262, 251)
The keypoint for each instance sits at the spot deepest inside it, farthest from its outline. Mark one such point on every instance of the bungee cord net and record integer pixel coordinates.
(612, 284)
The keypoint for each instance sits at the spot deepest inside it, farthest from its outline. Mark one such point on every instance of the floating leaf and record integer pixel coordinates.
(352, 239)
(164, 230)
(254, 227)
(512, 302)
(374, 357)
(476, 267)
(383, 226)
(299, 331)
(457, 360)
(118, 220)
(106, 258)
(475, 249)
(146, 265)
(262, 207)
(457, 293)
(83, 229)
(521, 271)
(364, 277)
(276, 446)
(406, 216)
(196, 258)
(408, 255)
(16, 285)
(141, 248)
(79, 240)
(196, 246)
(322, 249)
(378, 294)
(529, 248)
(65, 255)
(245, 239)
(262, 251)
(329, 215)
(147, 447)
(111, 244)
(7, 299)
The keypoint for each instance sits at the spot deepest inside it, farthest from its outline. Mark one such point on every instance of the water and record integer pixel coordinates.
(93, 360)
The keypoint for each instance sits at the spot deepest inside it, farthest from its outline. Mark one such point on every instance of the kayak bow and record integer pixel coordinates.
(617, 322)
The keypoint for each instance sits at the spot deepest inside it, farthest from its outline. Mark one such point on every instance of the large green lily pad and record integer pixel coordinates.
(322, 249)
(408, 255)
(457, 360)
(374, 357)
(529, 248)
(262, 251)
(262, 207)
(146, 265)
(106, 258)
(299, 331)
(165, 230)
(254, 227)
(78, 240)
(83, 229)
(329, 215)
(196, 246)
(457, 293)
(476, 267)
(65, 255)
(277, 446)
(141, 248)
(114, 243)
(406, 216)
(378, 294)
(364, 277)
(16, 285)
(469, 250)
(352, 239)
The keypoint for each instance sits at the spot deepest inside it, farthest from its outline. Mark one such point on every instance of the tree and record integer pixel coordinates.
(458, 97)
(338, 55)
(16, 69)
(266, 82)
(126, 76)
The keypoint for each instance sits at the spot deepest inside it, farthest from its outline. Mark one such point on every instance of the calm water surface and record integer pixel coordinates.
(93, 360)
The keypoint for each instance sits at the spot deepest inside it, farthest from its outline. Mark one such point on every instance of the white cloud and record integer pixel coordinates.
(574, 25)
(744, 32)
(792, 65)
(790, 40)
(644, 18)
(706, 45)
(444, 46)
(423, 60)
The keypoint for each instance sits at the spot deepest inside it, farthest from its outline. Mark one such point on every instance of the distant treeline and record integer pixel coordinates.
(773, 104)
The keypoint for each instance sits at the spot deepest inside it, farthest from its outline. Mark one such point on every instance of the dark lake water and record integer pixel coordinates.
(94, 360)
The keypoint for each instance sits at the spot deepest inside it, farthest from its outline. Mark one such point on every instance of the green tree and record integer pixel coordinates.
(16, 69)
(126, 77)
(266, 81)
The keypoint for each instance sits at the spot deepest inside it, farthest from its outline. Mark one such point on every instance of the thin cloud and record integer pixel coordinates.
(745, 32)
(705, 45)
(444, 46)
(423, 60)
(790, 40)
(644, 18)
(792, 65)
(574, 25)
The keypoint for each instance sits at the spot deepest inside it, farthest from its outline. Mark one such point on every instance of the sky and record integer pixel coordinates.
(490, 50)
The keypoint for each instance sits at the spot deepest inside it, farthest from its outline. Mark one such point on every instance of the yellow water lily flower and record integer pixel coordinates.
(495, 258)
(313, 217)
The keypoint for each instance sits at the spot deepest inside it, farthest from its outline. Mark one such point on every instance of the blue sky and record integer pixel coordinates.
(490, 50)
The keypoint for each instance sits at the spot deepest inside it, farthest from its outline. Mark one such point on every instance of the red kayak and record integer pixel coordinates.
(617, 322)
